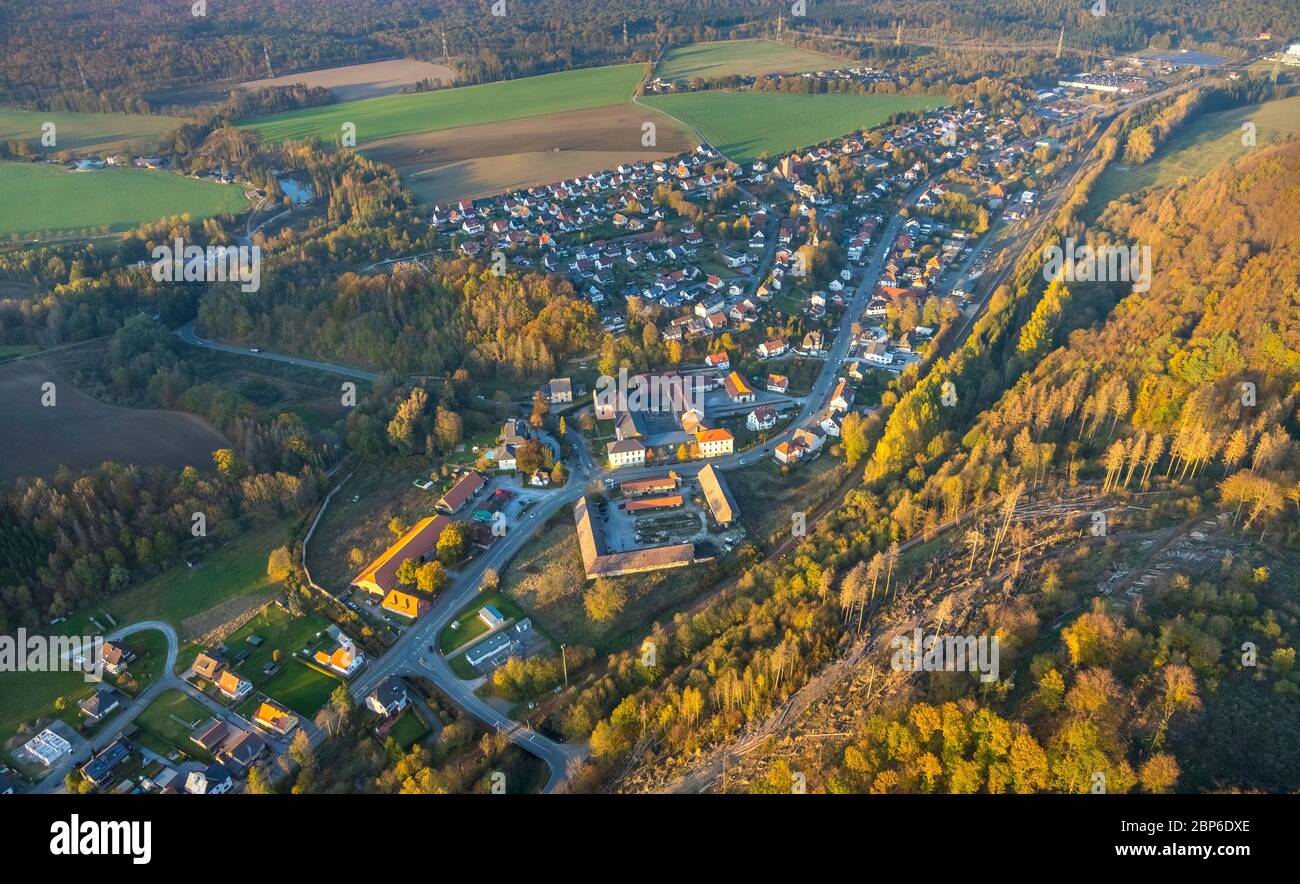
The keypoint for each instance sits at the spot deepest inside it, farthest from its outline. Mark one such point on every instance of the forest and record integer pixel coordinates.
(1147, 397)
(140, 56)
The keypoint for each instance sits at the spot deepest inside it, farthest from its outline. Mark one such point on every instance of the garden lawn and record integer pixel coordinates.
(301, 688)
(160, 720)
(471, 627)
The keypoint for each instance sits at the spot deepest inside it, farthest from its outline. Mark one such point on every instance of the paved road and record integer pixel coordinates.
(411, 653)
(168, 680)
(187, 334)
(53, 781)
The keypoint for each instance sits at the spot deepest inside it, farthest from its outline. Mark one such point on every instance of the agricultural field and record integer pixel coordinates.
(480, 140)
(355, 82)
(1206, 141)
(741, 57)
(81, 432)
(48, 199)
(748, 125)
(474, 161)
(393, 115)
(86, 133)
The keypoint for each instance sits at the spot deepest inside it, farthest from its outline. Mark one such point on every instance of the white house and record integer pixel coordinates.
(215, 780)
(625, 453)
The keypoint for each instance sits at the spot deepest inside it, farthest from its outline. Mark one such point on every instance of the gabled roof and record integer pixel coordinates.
(462, 491)
(274, 717)
(736, 386)
(390, 691)
(229, 682)
(416, 543)
(715, 435)
(718, 495)
(210, 734)
(403, 603)
(206, 666)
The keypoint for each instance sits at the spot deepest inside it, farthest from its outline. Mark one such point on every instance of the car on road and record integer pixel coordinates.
(254, 349)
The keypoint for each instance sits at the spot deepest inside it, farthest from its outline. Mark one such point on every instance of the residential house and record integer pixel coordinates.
(211, 734)
(207, 667)
(811, 438)
(232, 686)
(769, 349)
(389, 698)
(715, 443)
(461, 493)
(345, 659)
(778, 383)
(733, 258)
(99, 769)
(813, 343)
(788, 452)
(242, 751)
(213, 780)
(842, 398)
(720, 361)
(275, 719)
(100, 704)
(626, 453)
(761, 419)
(877, 352)
(116, 658)
(559, 390)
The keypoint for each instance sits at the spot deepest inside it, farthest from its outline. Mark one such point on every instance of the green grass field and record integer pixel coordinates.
(236, 569)
(471, 627)
(160, 720)
(80, 133)
(1203, 143)
(392, 115)
(749, 125)
(741, 57)
(301, 688)
(410, 728)
(41, 198)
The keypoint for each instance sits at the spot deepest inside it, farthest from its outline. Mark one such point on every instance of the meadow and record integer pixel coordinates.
(41, 198)
(741, 57)
(1202, 144)
(85, 133)
(748, 125)
(394, 115)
